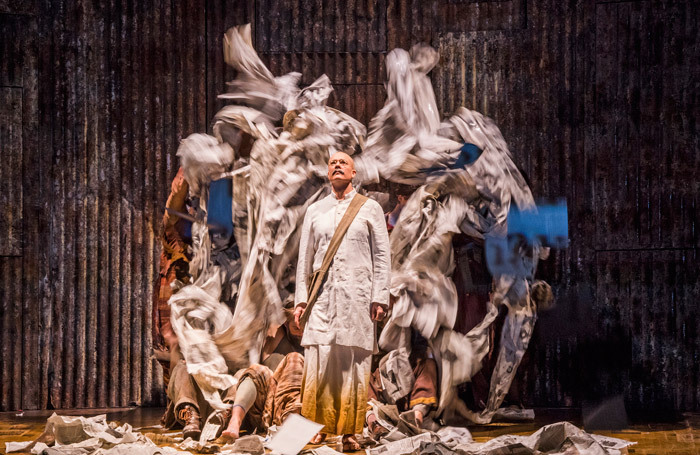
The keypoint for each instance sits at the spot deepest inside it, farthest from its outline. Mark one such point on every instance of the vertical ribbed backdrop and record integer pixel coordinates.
(599, 101)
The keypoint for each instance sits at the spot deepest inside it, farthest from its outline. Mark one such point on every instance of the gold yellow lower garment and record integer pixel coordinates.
(335, 386)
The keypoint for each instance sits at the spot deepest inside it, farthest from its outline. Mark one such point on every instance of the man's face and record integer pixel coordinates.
(341, 167)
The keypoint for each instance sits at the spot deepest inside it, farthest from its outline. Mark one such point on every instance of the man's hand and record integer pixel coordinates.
(298, 311)
(375, 429)
(377, 312)
(169, 336)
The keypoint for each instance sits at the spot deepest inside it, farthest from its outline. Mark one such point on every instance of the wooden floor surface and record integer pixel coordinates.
(653, 438)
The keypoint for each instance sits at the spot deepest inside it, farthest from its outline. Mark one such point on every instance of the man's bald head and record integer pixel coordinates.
(341, 168)
(342, 156)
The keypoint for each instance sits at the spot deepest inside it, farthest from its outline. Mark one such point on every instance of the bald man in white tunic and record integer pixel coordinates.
(339, 337)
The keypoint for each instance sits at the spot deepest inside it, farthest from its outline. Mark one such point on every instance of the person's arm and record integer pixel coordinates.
(304, 265)
(172, 241)
(381, 263)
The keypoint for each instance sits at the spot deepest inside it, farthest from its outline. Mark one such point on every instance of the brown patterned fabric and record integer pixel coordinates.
(173, 265)
(425, 386)
(279, 393)
(261, 376)
(181, 390)
(284, 392)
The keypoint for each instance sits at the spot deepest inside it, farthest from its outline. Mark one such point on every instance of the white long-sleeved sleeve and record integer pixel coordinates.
(381, 256)
(305, 262)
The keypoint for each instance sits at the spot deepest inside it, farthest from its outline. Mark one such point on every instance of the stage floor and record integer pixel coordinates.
(653, 438)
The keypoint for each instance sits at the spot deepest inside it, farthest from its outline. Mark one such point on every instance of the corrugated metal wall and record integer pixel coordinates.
(598, 101)
(108, 90)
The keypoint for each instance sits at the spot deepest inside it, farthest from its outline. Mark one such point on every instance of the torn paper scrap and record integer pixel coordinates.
(293, 435)
(401, 446)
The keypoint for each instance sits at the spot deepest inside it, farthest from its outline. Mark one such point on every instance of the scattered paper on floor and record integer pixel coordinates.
(293, 435)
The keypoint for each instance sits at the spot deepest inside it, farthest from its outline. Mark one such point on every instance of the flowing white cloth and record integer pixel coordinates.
(358, 276)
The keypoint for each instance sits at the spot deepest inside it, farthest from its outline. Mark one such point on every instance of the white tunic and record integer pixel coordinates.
(358, 276)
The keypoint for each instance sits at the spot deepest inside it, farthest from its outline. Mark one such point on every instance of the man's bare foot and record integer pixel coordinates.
(318, 438)
(228, 436)
(231, 433)
(350, 443)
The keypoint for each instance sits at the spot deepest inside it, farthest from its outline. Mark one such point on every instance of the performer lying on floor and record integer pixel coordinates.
(264, 395)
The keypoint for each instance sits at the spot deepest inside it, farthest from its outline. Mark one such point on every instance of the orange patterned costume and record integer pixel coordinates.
(174, 264)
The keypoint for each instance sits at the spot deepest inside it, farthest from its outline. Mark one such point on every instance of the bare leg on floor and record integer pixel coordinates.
(233, 429)
(245, 398)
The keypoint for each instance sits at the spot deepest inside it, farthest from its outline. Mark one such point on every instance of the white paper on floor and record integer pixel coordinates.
(293, 435)
(406, 445)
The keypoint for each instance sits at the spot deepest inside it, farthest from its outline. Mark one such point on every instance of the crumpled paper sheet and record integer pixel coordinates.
(403, 425)
(560, 438)
(250, 444)
(414, 147)
(17, 446)
(211, 343)
(198, 318)
(401, 446)
(91, 435)
(515, 414)
(324, 450)
(453, 436)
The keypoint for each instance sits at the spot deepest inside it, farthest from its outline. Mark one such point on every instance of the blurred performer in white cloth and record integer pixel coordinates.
(339, 338)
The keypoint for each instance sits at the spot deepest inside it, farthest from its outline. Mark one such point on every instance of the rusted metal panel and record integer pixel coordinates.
(318, 26)
(18, 6)
(524, 82)
(56, 85)
(596, 101)
(19, 331)
(650, 298)
(646, 154)
(10, 179)
(360, 101)
(220, 16)
(110, 141)
(410, 22)
(11, 333)
(459, 16)
(12, 55)
(562, 105)
(342, 68)
(34, 253)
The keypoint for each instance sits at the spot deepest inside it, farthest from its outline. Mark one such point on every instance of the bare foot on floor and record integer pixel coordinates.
(319, 438)
(228, 436)
(232, 431)
(350, 443)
